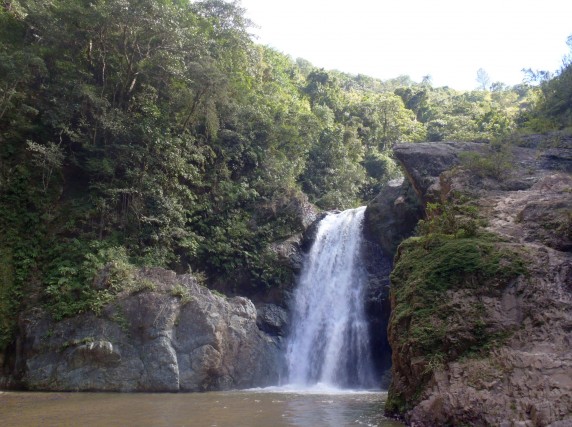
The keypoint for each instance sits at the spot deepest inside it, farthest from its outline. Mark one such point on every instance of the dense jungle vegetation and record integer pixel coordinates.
(158, 133)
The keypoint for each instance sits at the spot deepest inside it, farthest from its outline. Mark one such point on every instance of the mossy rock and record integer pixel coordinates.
(427, 328)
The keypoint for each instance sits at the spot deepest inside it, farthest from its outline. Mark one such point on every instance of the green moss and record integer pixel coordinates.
(435, 362)
(141, 285)
(486, 342)
(426, 323)
(218, 293)
(437, 263)
(455, 217)
(427, 267)
(564, 228)
(395, 405)
(120, 318)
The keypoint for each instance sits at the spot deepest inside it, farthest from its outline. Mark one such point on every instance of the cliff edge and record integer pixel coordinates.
(481, 323)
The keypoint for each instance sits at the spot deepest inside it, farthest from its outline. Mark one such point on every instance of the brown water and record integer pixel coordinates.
(221, 409)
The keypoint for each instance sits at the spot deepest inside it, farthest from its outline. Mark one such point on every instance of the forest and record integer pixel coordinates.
(159, 133)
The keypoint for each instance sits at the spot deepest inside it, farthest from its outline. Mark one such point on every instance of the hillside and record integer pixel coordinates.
(159, 134)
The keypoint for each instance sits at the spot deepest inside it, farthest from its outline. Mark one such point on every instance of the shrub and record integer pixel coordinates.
(78, 286)
(449, 218)
(496, 163)
(182, 292)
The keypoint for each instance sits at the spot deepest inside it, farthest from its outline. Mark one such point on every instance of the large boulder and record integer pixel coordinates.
(424, 162)
(175, 335)
(289, 252)
(273, 319)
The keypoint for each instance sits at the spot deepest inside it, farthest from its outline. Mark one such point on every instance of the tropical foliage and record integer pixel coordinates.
(145, 132)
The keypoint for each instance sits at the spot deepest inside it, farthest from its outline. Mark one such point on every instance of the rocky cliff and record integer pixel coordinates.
(481, 324)
(172, 335)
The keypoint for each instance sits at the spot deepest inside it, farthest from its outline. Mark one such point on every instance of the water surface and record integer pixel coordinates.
(258, 408)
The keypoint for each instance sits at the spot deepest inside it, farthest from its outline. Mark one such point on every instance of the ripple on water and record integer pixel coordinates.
(250, 408)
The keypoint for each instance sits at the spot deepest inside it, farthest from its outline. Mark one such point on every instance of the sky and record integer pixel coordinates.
(446, 39)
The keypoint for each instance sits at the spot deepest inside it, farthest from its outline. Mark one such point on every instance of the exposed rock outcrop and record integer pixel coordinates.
(273, 320)
(174, 335)
(424, 162)
(289, 252)
(491, 346)
(305, 216)
(392, 215)
(289, 216)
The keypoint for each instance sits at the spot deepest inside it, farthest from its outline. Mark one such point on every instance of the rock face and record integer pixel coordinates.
(377, 307)
(392, 215)
(174, 336)
(424, 162)
(503, 354)
(306, 216)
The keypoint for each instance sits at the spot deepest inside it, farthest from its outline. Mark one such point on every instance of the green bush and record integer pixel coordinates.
(7, 297)
(496, 163)
(88, 283)
(449, 218)
(182, 292)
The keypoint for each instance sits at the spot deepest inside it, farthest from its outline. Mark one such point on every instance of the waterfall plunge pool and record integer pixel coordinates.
(329, 345)
(274, 406)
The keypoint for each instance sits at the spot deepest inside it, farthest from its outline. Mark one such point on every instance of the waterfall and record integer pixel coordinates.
(329, 343)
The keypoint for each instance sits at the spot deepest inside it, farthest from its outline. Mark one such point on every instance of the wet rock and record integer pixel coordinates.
(94, 353)
(310, 234)
(273, 319)
(377, 306)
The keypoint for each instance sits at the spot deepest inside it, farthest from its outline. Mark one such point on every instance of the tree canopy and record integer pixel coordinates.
(159, 133)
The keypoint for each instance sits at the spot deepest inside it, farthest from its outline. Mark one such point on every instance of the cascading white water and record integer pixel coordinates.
(329, 343)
